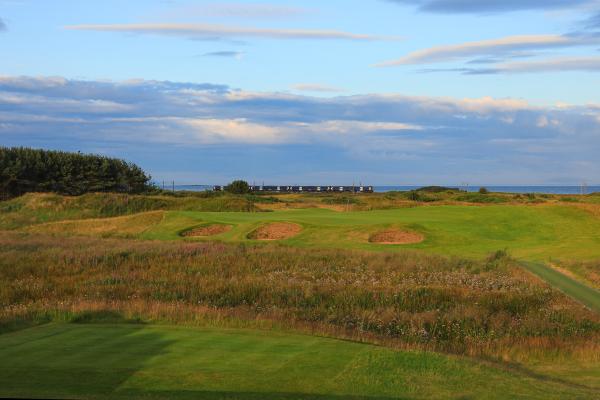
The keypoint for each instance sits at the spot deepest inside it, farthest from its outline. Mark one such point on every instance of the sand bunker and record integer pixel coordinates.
(395, 236)
(276, 231)
(207, 230)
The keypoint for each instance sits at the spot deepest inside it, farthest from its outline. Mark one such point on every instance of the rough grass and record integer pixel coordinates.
(487, 308)
(429, 196)
(586, 271)
(36, 208)
(129, 226)
(129, 361)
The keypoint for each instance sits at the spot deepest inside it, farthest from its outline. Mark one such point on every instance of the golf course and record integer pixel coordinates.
(165, 300)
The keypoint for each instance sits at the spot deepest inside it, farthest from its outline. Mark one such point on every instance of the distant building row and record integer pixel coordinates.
(305, 189)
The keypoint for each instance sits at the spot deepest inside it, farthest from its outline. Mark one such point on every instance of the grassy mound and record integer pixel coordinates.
(130, 226)
(36, 208)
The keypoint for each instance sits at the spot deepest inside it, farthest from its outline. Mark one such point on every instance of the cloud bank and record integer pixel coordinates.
(220, 133)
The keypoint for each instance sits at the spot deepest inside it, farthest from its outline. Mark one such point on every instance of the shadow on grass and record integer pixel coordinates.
(104, 317)
(218, 395)
(62, 361)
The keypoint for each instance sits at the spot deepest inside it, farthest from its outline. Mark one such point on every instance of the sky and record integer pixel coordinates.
(383, 92)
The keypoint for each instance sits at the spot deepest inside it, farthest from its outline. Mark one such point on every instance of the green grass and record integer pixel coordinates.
(585, 294)
(532, 233)
(536, 233)
(144, 361)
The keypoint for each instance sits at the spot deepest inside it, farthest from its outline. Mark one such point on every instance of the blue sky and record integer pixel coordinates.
(379, 91)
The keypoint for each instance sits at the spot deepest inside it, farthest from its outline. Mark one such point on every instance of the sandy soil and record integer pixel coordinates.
(276, 231)
(395, 236)
(209, 230)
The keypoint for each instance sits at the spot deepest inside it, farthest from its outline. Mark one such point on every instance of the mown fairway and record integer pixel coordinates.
(131, 361)
(528, 232)
(585, 294)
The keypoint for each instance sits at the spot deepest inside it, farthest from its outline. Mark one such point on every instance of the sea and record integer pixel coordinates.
(491, 188)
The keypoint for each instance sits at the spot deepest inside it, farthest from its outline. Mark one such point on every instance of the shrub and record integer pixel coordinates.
(413, 195)
(341, 200)
(481, 198)
(238, 187)
(483, 190)
(262, 199)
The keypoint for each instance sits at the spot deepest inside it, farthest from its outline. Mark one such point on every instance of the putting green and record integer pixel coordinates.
(529, 232)
(139, 361)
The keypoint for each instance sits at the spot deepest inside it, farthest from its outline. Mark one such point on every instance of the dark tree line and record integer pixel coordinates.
(25, 170)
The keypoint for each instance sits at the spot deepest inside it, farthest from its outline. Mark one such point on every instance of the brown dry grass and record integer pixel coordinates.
(593, 209)
(275, 231)
(396, 236)
(413, 300)
(127, 226)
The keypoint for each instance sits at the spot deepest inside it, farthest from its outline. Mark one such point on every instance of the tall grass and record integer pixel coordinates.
(588, 272)
(37, 208)
(489, 308)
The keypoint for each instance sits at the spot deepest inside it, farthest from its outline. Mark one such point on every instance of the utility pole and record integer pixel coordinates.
(173, 186)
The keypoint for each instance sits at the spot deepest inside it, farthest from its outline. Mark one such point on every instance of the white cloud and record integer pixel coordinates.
(195, 131)
(556, 64)
(316, 87)
(489, 47)
(209, 31)
(233, 130)
(353, 127)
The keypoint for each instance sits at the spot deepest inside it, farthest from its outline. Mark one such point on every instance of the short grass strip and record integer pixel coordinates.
(577, 290)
